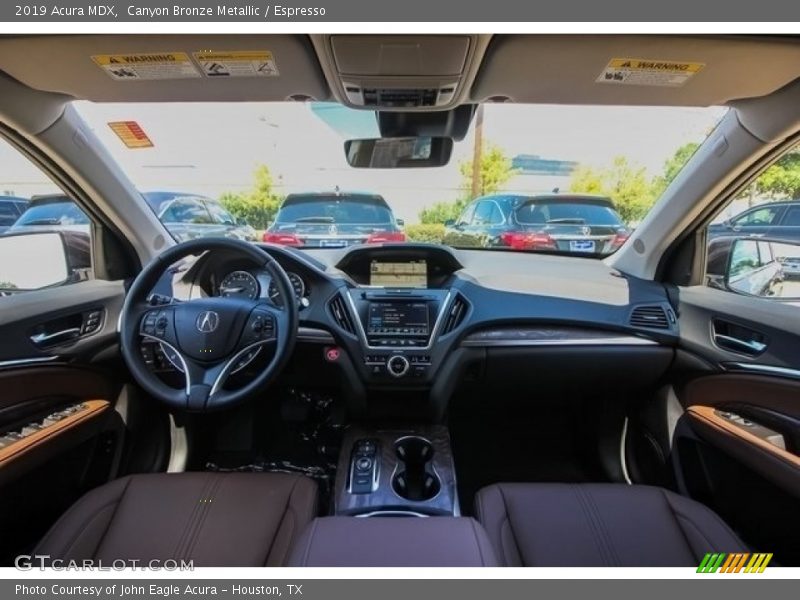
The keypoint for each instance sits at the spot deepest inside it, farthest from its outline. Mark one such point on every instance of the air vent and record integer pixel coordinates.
(341, 315)
(652, 317)
(456, 314)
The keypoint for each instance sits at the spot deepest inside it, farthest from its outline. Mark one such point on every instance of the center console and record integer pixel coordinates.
(397, 329)
(396, 471)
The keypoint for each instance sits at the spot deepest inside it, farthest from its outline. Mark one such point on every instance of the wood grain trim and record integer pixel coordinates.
(92, 409)
(707, 416)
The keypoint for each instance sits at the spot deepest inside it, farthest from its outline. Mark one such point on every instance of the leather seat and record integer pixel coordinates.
(393, 541)
(213, 519)
(597, 525)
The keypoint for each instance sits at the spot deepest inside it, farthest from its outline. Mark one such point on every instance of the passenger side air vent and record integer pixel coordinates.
(652, 317)
(455, 316)
(341, 315)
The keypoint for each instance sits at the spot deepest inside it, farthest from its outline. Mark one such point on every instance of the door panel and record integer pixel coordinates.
(60, 375)
(56, 323)
(737, 445)
(763, 437)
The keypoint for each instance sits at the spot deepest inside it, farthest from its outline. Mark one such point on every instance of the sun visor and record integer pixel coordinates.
(167, 68)
(634, 70)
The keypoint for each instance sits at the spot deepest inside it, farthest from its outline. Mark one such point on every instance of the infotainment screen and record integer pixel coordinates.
(398, 318)
(409, 274)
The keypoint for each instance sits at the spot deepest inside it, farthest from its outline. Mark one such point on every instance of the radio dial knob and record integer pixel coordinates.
(397, 365)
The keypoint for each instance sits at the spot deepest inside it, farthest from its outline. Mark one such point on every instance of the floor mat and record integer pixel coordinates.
(302, 434)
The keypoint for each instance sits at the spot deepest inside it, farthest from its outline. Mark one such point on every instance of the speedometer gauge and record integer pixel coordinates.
(298, 285)
(239, 284)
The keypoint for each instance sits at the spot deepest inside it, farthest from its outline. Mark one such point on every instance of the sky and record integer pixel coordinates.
(210, 148)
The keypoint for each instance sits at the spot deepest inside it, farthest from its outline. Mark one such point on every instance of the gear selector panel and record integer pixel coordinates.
(364, 467)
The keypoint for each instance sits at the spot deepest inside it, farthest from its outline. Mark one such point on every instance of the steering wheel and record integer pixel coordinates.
(208, 336)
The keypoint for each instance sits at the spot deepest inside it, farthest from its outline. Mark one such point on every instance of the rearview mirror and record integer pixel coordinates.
(762, 267)
(32, 260)
(398, 153)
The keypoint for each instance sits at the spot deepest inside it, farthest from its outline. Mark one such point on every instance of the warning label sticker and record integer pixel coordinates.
(147, 67)
(637, 71)
(131, 134)
(237, 63)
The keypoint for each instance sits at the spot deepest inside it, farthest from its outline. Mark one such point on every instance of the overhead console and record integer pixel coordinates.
(400, 72)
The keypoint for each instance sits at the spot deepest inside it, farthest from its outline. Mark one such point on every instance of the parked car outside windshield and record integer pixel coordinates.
(188, 216)
(334, 220)
(556, 222)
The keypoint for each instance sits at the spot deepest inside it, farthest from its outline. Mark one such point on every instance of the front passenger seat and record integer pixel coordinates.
(212, 519)
(599, 525)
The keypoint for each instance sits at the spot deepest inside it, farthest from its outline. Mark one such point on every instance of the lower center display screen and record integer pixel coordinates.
(398, 318)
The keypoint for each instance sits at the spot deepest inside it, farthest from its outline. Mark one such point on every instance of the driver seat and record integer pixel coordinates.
(212, 519)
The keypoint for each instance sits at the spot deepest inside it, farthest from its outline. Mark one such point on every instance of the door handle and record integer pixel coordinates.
(41, 339)
(744, 346)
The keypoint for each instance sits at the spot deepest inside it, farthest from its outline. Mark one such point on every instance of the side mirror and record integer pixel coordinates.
(398, 153)
(768, 268)
(400, 222)
(38, 259)
(450, 223)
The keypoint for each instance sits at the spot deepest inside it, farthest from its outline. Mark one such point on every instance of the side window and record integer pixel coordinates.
(754, 242)
(758, 218)
(483, 213)
(187, 211)
(744, 259)
(219, 214)
(9, 212)
(466, 216)
(45, 238)
(792, 217)
(496, 217)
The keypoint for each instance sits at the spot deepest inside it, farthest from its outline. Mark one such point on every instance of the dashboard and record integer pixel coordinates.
(408, 317)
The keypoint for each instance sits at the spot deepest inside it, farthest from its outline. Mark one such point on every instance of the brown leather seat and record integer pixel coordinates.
(393, 541)
(564, 525)
(213, 519)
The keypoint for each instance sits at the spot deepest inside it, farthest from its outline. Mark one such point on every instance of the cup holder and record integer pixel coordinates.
(415, 478)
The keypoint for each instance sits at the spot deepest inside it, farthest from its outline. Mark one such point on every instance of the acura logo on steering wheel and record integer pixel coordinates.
(207, 321)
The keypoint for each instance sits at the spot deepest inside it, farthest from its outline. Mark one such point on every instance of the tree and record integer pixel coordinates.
(495, 171)
(257, 205)
(625, 183)
(672, 167)
(441, 212)
(782, 179)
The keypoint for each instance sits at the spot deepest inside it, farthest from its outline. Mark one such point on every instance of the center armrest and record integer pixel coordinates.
(393, 542)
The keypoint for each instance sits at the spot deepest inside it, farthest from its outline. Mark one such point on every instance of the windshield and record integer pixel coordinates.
(280, 172)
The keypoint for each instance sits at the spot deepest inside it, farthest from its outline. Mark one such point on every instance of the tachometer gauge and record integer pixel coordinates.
(239, 284)
(298, 285)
